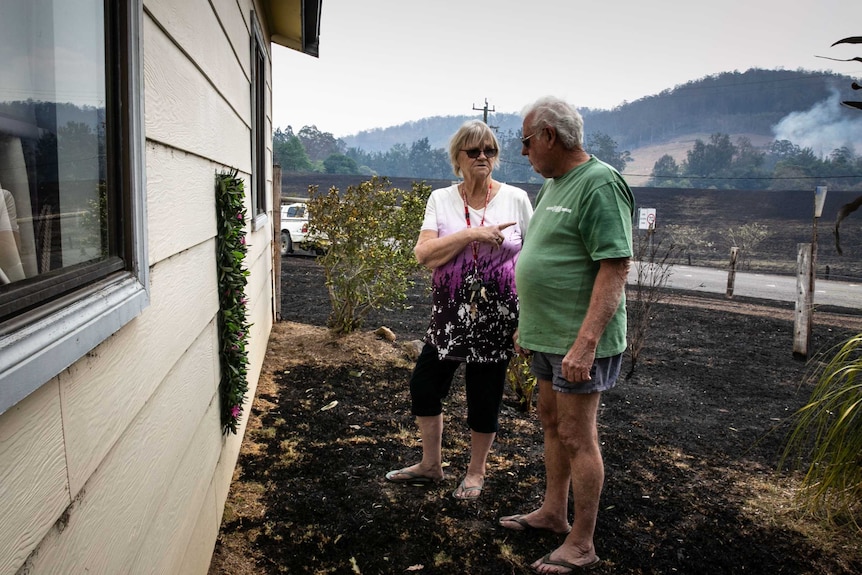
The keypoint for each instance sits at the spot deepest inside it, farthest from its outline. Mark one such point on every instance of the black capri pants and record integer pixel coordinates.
(432, 378)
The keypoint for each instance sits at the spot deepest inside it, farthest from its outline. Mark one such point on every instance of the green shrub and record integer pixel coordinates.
(371, 230)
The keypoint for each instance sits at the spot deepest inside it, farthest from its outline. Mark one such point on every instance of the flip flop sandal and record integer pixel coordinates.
(465, 493)
(525, 525)
(572, 568)
(409, 477)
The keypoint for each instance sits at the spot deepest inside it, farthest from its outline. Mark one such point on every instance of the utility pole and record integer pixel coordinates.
(485, 111)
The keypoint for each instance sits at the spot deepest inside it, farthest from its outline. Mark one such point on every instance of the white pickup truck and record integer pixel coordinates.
(294, 231)
(294, 226)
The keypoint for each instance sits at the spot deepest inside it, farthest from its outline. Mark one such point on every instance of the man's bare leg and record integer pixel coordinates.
(578, 436)
(553, 513)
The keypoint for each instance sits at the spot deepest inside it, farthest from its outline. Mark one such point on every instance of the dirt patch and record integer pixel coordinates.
(690, 444)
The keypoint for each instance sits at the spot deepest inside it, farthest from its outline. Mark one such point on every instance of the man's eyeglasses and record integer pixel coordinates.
(525, 141)
(474, 153)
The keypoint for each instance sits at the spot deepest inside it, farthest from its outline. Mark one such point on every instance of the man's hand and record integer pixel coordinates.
(608, 291)
(578, 362)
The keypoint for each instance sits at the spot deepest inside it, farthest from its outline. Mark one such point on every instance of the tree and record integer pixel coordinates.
(513, 166)
(747, 165)
(287, 151)
(605, 148)
(340, 164)
(664, 172)
(710, 160)
(420, 159)
(319, 145)
(371, 229)
(795, 162)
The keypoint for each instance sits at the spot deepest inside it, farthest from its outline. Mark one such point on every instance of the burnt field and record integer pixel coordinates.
(691, 444)
(706, 216)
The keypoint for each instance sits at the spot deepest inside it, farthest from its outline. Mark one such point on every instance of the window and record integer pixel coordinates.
(72, 251)
(259, 133)
(294, 211)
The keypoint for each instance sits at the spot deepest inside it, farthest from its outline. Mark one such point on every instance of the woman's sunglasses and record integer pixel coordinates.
(474, 153)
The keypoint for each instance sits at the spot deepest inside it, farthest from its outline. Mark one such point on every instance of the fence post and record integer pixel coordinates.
(731, 275)
(804, 302)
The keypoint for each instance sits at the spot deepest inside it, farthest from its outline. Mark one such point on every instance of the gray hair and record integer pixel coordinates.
(472, 133)
(552, 112)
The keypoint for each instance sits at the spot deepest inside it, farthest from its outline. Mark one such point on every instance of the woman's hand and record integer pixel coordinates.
(433, 251)
(492, 235)
(518, 349)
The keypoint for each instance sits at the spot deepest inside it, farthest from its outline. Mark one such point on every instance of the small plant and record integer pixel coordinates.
(689, 239)
(522, 382)
(827, 436)
(747, 237)
(371, 230)
(231, 250)
(654, 264)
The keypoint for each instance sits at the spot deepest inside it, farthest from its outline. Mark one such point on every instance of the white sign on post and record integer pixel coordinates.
(646, 218)
(819, 200)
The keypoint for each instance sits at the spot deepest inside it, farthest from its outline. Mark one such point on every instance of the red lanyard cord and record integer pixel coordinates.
(481, 223)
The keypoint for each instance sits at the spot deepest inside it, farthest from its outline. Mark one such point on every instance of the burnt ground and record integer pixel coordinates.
(691, 444)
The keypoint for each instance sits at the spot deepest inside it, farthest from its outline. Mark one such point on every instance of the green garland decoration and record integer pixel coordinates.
(231, 250)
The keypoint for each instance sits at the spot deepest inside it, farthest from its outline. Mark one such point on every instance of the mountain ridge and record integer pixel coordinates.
(762, 105)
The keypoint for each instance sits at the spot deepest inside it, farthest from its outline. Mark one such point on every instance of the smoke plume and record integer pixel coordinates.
(825, 127)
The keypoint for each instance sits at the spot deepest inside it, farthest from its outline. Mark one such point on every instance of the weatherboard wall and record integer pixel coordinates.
(118, 464)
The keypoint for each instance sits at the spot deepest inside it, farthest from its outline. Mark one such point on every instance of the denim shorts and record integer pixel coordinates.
(604, 373)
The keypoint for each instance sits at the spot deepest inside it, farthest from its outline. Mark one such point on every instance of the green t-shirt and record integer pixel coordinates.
(580, 218)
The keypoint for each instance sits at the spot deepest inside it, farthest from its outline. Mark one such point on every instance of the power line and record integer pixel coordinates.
(719, 178)
(742, 177)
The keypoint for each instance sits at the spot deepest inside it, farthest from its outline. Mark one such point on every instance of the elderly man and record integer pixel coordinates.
(571, 278)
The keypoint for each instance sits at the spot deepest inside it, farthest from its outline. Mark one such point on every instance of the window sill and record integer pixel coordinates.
(39, 351)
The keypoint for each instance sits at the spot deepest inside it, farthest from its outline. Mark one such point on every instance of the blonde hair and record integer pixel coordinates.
(472, 132)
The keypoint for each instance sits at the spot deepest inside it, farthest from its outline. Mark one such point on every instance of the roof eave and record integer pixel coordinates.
(295, 24)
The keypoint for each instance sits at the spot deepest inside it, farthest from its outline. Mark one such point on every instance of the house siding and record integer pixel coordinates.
(118, 464)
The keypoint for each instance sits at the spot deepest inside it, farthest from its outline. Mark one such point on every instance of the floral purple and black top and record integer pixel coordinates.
(474, 309)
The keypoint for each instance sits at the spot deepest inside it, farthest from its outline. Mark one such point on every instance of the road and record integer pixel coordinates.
(763, 286)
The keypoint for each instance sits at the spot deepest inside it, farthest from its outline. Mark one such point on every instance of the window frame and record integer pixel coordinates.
(39, 344)
(259, 133)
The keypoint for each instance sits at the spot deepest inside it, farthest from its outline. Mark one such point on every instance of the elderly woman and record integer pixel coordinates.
(470, 238)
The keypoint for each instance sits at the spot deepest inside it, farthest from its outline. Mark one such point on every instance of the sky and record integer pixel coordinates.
(386, 62)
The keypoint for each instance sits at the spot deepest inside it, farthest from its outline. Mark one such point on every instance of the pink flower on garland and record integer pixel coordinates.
(235, 410)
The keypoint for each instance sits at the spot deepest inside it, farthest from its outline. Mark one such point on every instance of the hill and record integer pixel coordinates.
(762, 105)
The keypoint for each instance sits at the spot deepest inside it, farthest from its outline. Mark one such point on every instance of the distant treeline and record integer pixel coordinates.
(716, 163)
